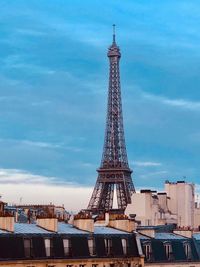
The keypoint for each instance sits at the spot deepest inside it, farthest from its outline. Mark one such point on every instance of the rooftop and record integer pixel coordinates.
(168, 236)
(63, 228)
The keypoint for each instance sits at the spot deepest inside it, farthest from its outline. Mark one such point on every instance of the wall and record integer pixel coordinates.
(75, 263)
(180, 264)
(181, 202)
(142, 206)
(196, 218)
(176, 206)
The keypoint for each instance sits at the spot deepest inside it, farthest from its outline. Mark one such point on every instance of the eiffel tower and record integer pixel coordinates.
(114, 173)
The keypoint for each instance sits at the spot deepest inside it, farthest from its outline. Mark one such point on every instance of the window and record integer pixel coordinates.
(94, 265)
(168, 250)
(108, 244)
(69, 265)
(48, 247)
(67, 248)
(28, 249)
(81, 265)
(147, 251)
(187, 249)
(124, 246)
(91, 245)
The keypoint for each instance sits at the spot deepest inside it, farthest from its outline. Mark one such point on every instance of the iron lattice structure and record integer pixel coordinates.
(114, 172)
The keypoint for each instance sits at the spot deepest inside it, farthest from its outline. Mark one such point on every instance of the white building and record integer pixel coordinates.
(175, 205)
(181, 202)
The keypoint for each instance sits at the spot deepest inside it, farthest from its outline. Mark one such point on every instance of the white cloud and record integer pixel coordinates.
(15, 176)
(74, 198)
(30, 32)
(38, 189)
(41, 144)
(87, 165)
(179, 103)
(85, 33)
(146, 163)
(41, 103)
(150, 174)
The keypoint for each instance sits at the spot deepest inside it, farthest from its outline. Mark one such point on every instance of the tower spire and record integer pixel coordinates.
(114, 172)
(114, 34)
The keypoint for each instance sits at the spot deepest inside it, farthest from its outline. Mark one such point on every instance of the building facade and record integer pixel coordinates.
(49, 243)
(176, 205)
(162, 247)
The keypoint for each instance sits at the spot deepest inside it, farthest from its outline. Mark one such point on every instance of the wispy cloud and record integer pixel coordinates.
(87, 165)
(41, 144)
(82, 33)
(146, 163)
(179, 103)
(155, 174)
(30, 32)
(30, 67)
(19, 186)
(14, 176)
(17, 176)
(41, 103)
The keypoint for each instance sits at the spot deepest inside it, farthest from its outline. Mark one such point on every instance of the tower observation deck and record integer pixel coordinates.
(114, 172)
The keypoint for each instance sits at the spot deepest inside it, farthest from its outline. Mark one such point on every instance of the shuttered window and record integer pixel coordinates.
(67, 246)
(168, 250)
(147, 251)
(28, 248)
(124, 245)
(48, 247)
(108, 245)
(91, 246)
(188, 251)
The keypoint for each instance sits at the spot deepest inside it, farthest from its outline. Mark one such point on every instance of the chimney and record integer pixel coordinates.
(184, 232)
(102, 220)
(7, 223)
(84, 221)
(149, 231)
(122, 222)
(49, 224)
(71, 219)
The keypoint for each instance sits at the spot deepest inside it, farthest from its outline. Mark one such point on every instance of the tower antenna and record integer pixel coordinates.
(114, 33)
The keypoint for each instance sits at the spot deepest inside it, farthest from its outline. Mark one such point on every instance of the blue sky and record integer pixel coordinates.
(53, 89)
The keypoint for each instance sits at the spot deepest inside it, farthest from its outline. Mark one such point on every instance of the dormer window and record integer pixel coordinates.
(108, 244)
(28, 248)
(67, 246)
(147, 250)
(91, 245)
(48, 247)
(168, 250)
(124, 246)
(187, 249)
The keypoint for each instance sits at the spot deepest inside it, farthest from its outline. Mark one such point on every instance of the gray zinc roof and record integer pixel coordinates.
(26, 228)
(65, 228)
(107, 230)
(168, 236)
(196, 236)
(3, 232)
